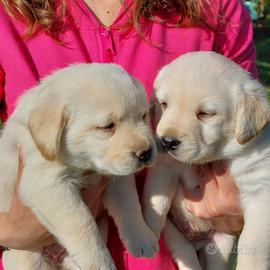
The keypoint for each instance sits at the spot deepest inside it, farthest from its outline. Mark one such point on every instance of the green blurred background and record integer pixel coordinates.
(260, 14)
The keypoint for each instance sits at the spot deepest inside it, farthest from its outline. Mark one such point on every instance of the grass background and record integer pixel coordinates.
(262, 43)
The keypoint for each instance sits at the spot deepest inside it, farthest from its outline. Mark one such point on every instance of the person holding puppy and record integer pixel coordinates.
(39, 37)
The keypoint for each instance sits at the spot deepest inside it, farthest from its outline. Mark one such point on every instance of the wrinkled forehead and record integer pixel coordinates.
(191, 90)
(96, 87)
(110, 97)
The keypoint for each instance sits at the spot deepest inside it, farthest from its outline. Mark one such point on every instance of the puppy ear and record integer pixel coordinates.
(46, 125)
(252, 113)
(155, 111)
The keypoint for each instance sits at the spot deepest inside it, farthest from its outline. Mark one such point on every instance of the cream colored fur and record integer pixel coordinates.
(80, 123)
(217, 112)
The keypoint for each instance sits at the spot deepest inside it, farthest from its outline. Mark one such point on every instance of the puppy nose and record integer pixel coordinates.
(145, 156)
(170, 143)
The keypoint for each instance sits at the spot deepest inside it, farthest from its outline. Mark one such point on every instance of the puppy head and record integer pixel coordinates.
(93, 117)
(208, 104)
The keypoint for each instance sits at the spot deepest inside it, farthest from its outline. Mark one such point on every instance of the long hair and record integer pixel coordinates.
(48, 15)
(184, 12)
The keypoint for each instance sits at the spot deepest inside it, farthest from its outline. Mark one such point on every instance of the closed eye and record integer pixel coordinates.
(108, 128)
(203, 115)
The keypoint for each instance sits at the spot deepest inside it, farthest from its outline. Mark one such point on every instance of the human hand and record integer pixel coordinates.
(20, 229)
(216, 198)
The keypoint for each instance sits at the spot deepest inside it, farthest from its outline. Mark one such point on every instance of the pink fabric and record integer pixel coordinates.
(24, 62)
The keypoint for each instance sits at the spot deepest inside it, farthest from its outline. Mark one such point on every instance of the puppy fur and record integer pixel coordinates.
(79, 123)
(216, 111)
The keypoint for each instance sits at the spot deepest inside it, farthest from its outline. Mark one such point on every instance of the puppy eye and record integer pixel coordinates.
(201, 115)
(109, 126)
(163, 105)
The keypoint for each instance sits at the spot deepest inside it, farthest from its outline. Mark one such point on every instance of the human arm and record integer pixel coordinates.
(217, 198)
(20, 229)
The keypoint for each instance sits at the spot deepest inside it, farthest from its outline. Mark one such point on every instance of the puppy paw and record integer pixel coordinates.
(143, 244)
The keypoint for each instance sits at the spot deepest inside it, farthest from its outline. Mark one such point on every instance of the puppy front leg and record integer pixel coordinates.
(121, 200)
(59, 207)
(183, 252)
(254, 245)
(159, 190)
(219, 251)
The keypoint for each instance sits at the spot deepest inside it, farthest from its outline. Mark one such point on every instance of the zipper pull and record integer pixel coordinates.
(109, 45)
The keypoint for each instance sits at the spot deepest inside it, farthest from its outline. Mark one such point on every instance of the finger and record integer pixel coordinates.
(206, 179)
(223, 177)
(197, 200)
(210, 190)
(216, 204)
(229, 191)
(197, 208)
(231, 225)
(194, 203)
(222, 174)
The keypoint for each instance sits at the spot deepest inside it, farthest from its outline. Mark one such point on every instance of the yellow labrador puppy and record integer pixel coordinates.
(81, 122)
(211, 110)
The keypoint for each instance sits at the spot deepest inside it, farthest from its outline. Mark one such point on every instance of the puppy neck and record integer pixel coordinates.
(79, 177)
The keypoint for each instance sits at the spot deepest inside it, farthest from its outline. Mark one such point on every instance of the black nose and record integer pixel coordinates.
(145, 156)
(170, 143)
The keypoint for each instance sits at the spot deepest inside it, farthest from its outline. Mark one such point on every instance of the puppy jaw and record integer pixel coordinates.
(46, 125)
(253, 114)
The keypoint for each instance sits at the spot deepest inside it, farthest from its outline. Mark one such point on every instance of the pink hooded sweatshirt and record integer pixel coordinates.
(23, 62)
